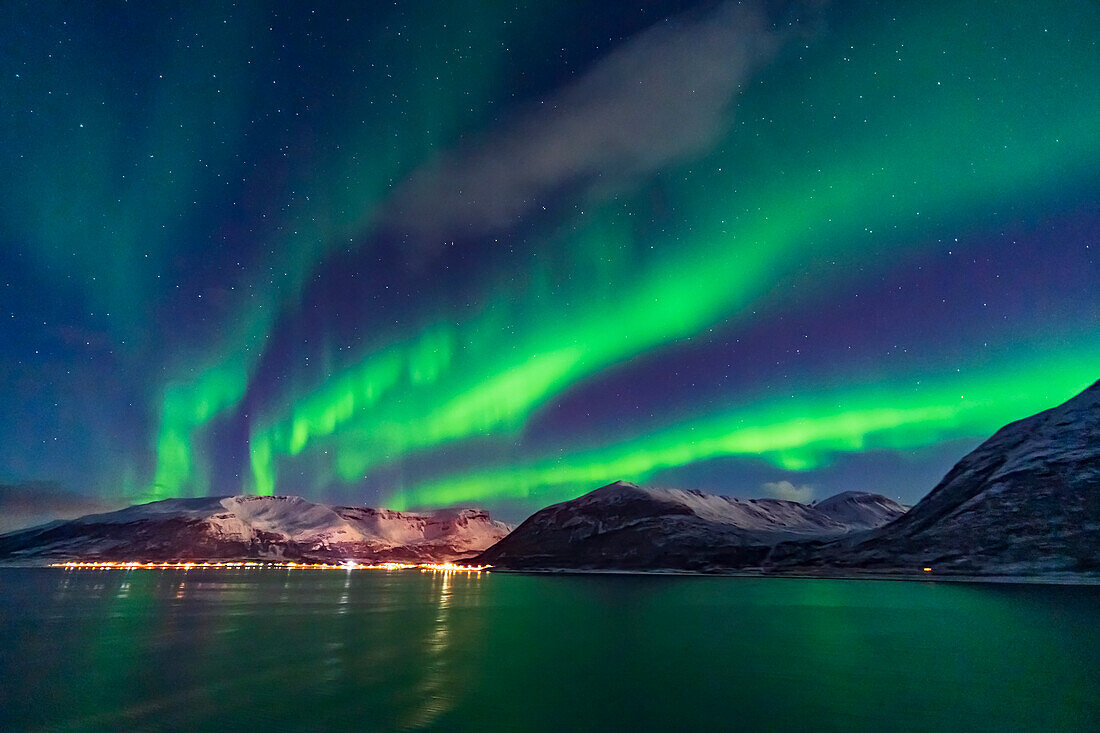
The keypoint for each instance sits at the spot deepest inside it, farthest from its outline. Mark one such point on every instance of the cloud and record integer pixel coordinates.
(790, 492)
(37, 502)
(661, 98)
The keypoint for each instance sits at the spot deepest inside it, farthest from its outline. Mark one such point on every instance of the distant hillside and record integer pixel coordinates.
(1026, 501)
(258, 527)
(627, 527)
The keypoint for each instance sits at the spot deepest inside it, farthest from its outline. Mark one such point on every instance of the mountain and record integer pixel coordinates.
(624, 526)
(860, 510)
(286, 527)
(1026, 501)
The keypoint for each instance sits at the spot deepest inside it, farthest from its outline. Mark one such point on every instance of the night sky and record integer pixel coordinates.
(499, 254)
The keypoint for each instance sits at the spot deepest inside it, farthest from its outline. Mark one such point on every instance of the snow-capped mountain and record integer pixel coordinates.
(1025, 501)
(625, 526)
(860, 510)
(259, 526)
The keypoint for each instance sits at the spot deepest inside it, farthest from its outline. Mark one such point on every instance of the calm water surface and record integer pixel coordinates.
(406, 650)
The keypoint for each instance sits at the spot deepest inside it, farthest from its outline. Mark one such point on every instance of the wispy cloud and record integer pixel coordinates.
(661, 98)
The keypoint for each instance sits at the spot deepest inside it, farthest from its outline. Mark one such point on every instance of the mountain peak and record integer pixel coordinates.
(845, 496)
(616, 488)
(623, 525)
(861, 509)
(247, 526)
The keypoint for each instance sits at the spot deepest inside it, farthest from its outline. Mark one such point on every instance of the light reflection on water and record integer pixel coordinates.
(417, 650)
(436, 691)
(344, 596)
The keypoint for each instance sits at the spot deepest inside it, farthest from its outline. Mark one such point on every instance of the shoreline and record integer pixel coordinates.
(1059, 578)
(1075, 579)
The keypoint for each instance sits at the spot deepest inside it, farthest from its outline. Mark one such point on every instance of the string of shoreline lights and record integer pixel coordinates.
(446, 567)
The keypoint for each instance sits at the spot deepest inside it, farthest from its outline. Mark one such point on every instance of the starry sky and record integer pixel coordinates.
(417, 254)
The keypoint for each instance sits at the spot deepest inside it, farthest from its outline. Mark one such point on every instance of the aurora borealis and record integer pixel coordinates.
(422, 254)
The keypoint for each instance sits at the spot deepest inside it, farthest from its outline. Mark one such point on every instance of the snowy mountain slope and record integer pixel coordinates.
(625, 526)
(1025, 501)
(860, 510)
(259, 526)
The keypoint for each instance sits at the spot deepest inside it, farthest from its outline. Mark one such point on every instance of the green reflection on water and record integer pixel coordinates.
(91, 650)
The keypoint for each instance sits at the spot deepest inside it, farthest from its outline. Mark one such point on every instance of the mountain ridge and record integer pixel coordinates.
(284, 527)
(622, 525)
(1025, 501)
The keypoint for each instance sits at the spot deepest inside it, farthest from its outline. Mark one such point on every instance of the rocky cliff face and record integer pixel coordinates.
(623, 526)
(258, 527)
(1026, 501)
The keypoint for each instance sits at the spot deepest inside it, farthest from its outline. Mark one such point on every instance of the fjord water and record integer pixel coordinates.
(409, 650)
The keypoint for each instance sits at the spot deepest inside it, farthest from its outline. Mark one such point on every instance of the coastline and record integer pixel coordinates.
(1059, 578)
(1000, 579)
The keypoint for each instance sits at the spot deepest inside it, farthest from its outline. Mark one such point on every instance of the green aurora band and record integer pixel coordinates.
(886, 159)
(332, 202)
(868, 418)
(844, 160)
